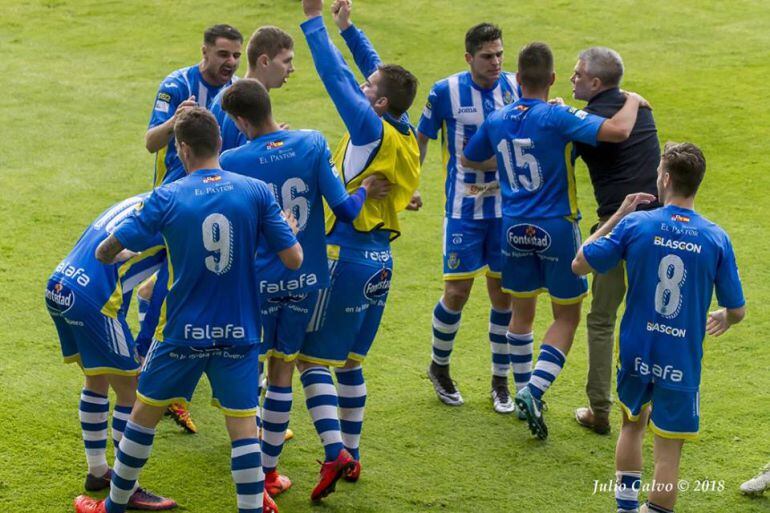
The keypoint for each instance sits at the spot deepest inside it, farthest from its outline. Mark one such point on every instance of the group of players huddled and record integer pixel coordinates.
(260, 244)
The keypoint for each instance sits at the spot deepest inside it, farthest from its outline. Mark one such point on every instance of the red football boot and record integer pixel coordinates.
(86, 504)
(331, 471)
(268, 504)
(353, 473)
(275, 483)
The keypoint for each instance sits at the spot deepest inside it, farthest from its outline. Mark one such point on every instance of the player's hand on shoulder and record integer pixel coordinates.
(416, 202)
(632, 201)
(376, 187)
(312, 8)
(557, 101)
(643, 104)
(717, 322)
(284, 126)
(341, 13)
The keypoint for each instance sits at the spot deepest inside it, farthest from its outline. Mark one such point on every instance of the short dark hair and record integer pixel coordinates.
(685, 165)
(535, 66)
(213, 33)
(248, 99)
(399, 86)
(198, 129)
(479, 34)
(267, 40)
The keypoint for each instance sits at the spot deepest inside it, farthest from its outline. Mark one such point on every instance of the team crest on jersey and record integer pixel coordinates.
(60, 298)
(212, 179)
(272, 145)
(453, 261)
(378, 285)
(528, 238)
(680, 218)
(507, 98)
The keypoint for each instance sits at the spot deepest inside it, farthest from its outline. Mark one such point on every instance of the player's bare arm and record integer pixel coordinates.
(720, 320)
(292, 257)
(618, 127)
(376, 187)
(580, 265)
(108, 250)
(157, 137)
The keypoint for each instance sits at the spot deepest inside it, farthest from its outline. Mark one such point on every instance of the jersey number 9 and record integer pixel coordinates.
(218, 238)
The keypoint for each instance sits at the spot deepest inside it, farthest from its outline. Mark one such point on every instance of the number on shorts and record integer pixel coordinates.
(668, 293)
(218, 238)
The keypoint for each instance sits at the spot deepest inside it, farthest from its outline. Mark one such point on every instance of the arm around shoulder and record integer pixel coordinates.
(292, 256)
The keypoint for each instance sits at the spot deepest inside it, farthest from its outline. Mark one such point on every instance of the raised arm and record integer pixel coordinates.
(363, 51)
(362, 122)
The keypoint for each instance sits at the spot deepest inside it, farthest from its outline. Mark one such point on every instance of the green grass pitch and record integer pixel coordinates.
(78, 82)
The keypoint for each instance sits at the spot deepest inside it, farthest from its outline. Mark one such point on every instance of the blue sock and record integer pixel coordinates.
(275, 421)
(627, 490)
(520, 350)
(120, 416)
(446, 322)
(322, 403)
(498, 326)
(94, 411)
(133, 452)
(351, 388)
(247, 473)
(548, 367)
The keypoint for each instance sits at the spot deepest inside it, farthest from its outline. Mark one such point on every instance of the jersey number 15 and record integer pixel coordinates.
(521, 161)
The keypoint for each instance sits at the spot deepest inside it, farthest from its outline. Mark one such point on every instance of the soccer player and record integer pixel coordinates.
(270, 56)
(457, 106)
(379, 141)
(211, 221)
(180, 91)
(88, 301)
(298, 166)
(675, 258)
(532, 140)
(616, 170)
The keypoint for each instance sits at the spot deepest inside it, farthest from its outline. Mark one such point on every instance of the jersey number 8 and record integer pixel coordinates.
(668, 293)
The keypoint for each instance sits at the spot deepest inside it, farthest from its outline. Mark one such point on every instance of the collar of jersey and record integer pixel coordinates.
(607, 92)
(482, 89)
(402, 125)
(266, 137)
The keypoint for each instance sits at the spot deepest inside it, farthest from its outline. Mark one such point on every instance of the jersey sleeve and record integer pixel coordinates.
(430, 121)
(362, 49)
(577, 125)
(728, 284)
(363, 124)
(606, 252)
(141, 230)
(166, 101)
(272, 226)
(329, 182)
(480, 147)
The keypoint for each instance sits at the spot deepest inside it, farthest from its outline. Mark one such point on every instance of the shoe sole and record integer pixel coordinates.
(443, 398)
(333, 485)
(536, 426)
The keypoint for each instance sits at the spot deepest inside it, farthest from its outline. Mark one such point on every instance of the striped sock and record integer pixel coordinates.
(548, 367)
(520, 350)
(627, 490)
(94, 411)
(498, 326)
(120, 415)
(352, 391)
(446, 322)
(275, 420)
(247, 474)
(321, 401)
(134, 450)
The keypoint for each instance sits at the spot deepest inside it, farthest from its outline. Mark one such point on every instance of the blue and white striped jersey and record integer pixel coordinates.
(457, 107)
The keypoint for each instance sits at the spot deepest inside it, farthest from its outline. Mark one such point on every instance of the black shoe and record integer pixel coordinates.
(443, 385)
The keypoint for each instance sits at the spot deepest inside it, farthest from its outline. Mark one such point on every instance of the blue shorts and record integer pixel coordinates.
(101, 344)
(471, 246)
(348, 313)
(171, 372)
(537, 257)
(284, 324)
(675, 413)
